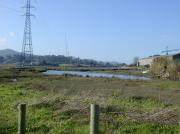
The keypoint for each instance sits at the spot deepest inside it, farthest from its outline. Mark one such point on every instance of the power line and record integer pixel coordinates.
(9, 8)
(167, 51)
(10, 2)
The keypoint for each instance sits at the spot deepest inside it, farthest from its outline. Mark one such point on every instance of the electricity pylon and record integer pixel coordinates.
(27, 49)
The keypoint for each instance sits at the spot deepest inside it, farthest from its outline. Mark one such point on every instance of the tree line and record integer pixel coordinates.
(56, 60)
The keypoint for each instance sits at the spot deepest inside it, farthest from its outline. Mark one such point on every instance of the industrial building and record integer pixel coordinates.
(149, 60)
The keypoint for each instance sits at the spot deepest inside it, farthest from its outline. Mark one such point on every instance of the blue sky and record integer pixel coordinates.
(107, 30)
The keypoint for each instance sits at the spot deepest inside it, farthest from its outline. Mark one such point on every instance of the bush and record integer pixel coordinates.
(165, 67)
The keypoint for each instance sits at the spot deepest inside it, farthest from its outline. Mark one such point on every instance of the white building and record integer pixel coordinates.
(149, 60)
(146, 61)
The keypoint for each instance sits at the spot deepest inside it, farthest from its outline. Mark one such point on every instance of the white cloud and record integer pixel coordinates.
(12, 34)
(3, 40)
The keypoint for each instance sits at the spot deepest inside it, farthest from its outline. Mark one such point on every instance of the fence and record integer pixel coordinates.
(94, 119)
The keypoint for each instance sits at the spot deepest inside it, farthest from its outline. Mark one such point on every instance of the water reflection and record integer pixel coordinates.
(95, 74)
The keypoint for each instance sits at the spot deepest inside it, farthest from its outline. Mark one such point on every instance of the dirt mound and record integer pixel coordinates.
(76, 105)
(165, 116)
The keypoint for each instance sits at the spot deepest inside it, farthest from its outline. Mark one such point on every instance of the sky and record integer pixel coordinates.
(105, 30)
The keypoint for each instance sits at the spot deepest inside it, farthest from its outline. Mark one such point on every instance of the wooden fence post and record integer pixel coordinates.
(94, 119)
(22, 119)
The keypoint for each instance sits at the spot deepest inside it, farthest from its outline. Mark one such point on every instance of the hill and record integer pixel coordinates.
(9, 56)
(6, 52)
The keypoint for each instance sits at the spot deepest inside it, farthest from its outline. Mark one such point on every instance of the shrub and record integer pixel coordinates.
(165, 67)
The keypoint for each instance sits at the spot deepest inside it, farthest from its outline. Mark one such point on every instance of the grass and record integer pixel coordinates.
(60, 105)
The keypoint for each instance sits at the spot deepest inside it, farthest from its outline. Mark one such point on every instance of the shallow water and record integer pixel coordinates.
(94, 74)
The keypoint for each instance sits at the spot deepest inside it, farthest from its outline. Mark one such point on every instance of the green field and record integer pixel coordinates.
(60, 105)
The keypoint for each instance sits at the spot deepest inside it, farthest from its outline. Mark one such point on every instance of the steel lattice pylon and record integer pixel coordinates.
(27, 49)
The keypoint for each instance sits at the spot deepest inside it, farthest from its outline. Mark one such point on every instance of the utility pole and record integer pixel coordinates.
(167, 50)
(27, 49)
(67, 49)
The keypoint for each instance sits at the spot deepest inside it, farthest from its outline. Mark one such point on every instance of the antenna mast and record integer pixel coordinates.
(27, 49)
(67, 49)
(67, 45)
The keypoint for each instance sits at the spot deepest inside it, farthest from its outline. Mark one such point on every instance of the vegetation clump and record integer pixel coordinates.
(165, 68)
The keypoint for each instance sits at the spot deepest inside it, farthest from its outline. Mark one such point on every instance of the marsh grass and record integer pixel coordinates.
(60, 105)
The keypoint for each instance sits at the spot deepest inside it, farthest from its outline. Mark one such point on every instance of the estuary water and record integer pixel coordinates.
(95, 74)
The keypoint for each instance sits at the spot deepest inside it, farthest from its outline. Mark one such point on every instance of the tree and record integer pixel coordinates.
(44, 62)
(1, 59)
